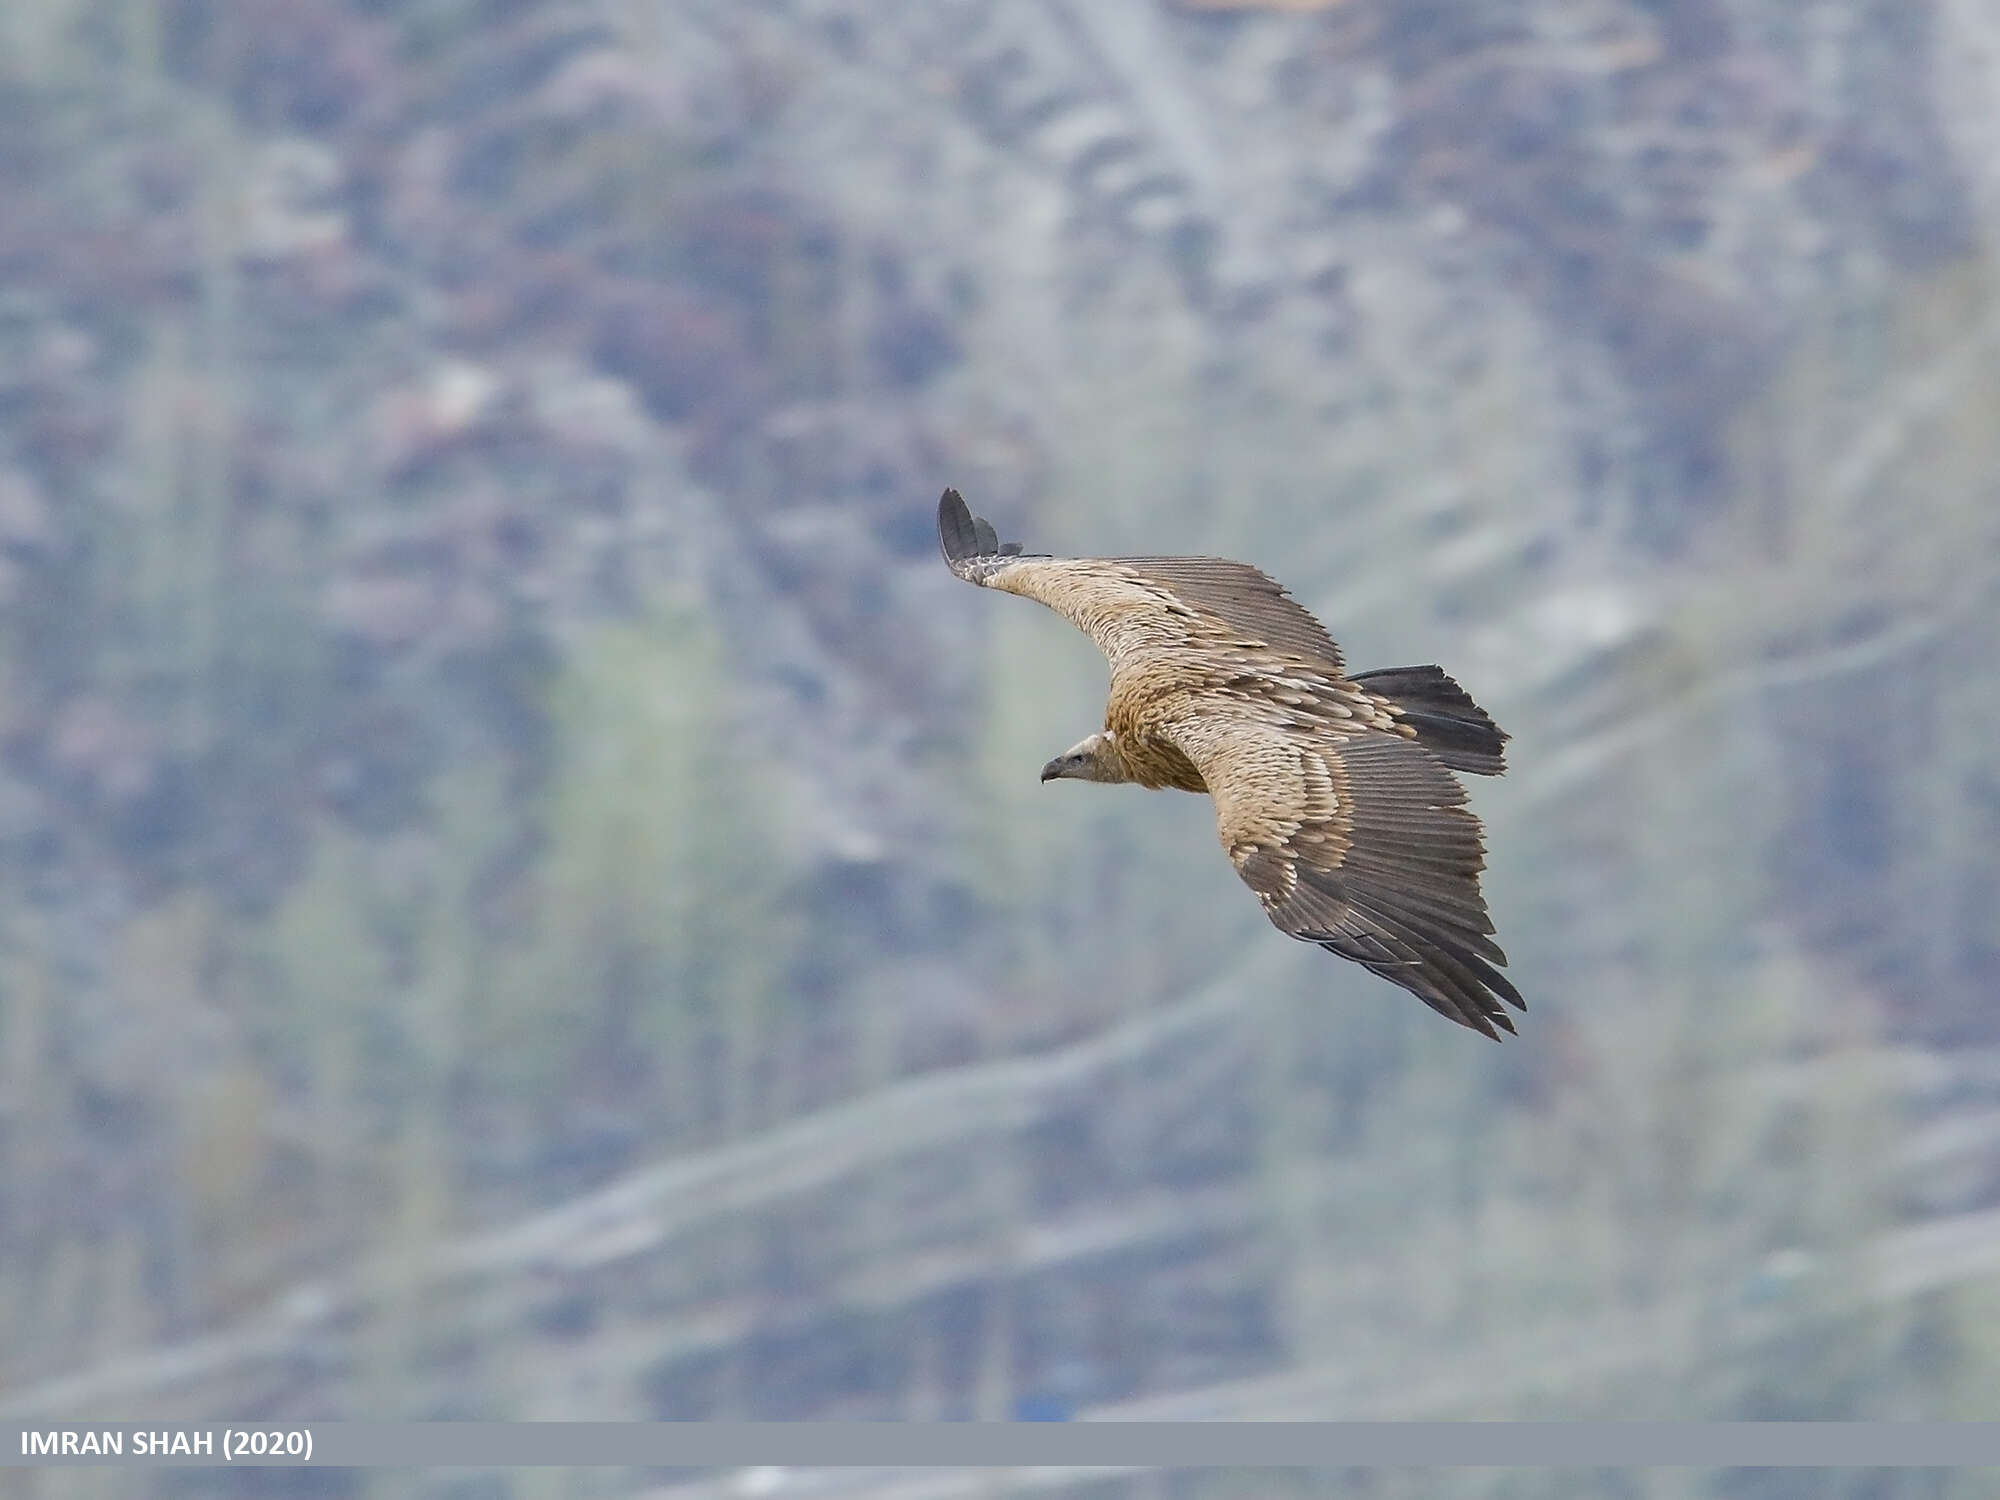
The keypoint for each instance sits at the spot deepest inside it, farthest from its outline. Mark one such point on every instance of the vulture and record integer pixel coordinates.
(1333, 792)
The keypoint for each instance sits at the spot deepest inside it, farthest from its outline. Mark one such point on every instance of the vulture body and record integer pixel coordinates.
(1333, 793)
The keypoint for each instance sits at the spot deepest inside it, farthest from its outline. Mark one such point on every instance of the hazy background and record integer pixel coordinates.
(523, 888)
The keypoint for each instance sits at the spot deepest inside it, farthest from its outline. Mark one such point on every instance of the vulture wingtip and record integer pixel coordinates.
(965, 537)
(958, 537)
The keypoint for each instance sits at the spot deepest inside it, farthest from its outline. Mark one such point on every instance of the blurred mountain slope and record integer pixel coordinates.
(483, 714)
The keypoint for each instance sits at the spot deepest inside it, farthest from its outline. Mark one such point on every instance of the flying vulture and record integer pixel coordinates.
(1333, 793)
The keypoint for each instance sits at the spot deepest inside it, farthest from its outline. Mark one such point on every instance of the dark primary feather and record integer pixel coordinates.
(958, 532)
(970, 544)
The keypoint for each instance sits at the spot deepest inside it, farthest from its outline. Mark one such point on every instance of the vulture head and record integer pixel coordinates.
(1095, 759)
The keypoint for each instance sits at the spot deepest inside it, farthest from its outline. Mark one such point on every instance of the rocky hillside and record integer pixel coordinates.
(484, 730)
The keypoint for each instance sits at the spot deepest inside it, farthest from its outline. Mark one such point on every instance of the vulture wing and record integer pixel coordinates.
(1361, 843)
(1140, 606)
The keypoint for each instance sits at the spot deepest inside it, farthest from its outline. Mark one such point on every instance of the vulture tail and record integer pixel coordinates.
(1448, 723)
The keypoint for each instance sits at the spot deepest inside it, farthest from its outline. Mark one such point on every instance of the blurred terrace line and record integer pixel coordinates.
(651, 1207)
(308, 1330)
(307, 1333)
(1438, 1386)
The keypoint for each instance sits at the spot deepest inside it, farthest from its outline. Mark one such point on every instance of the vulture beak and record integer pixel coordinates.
(1053, 771)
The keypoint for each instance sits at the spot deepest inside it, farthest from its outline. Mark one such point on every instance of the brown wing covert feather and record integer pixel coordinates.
(1246, 599)
(1129, 617)
(1248, 604)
